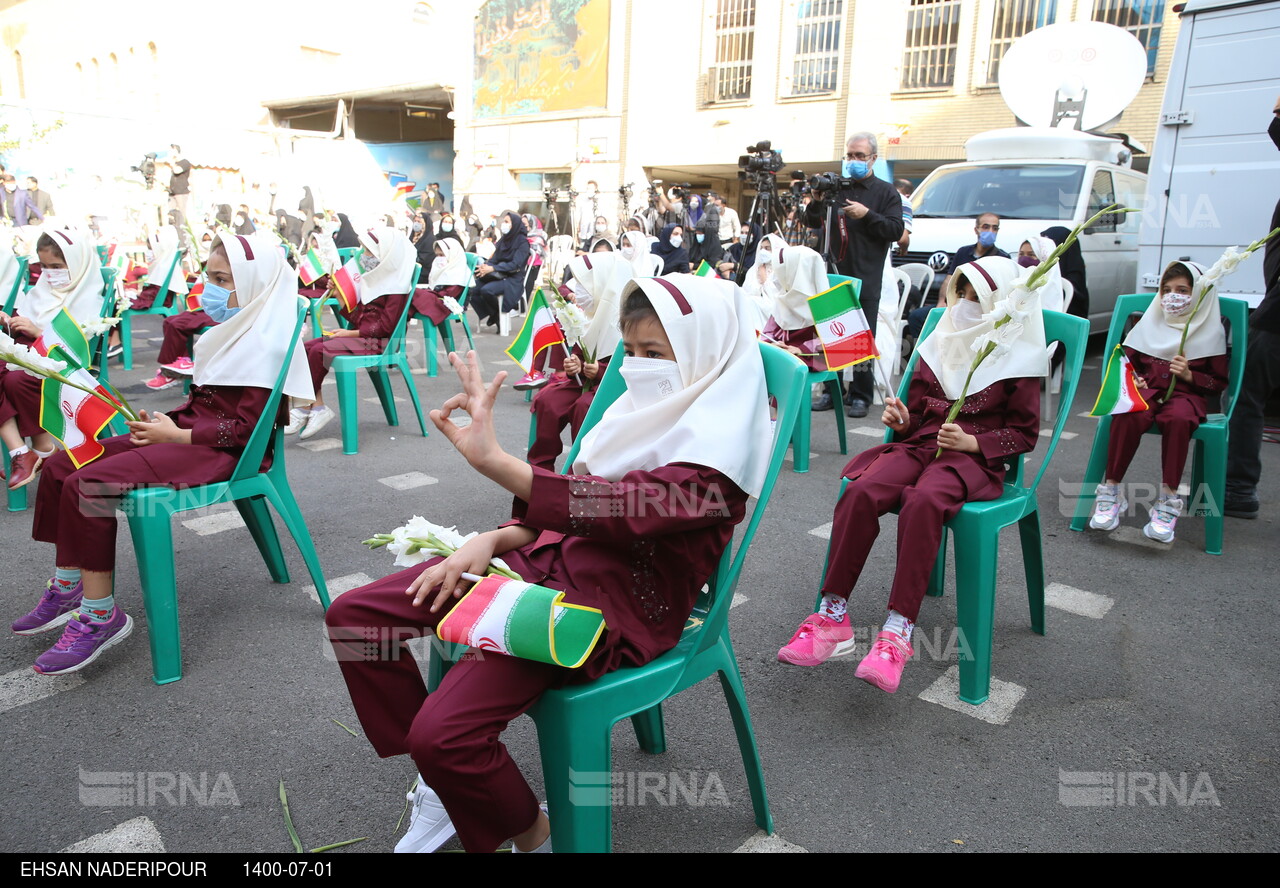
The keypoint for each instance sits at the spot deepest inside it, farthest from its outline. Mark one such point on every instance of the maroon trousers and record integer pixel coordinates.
(451, 734)
(20, 400)
(322, 351)
(147, 297)
(928, 492)
(559, 403)
(427, 302)
(179, 330)
(1177, 420)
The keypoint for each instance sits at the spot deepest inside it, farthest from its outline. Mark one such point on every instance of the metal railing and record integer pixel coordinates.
(735, 23)
(816, 66)
(1013, 18)
(1141, 18)
(933, 30)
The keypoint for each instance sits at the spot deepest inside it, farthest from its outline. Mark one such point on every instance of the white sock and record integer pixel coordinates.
(833, 607)
(899, 624)
(21, 450)
(45, 454)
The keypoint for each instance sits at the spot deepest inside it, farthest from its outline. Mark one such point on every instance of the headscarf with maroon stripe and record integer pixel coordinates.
(82, 297)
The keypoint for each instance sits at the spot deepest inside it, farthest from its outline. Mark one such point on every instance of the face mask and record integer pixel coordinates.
(214, 302)
(677, 241)
(581, 297)
(437, 264)
(1274, 130)
(1028, 261)
(417, 226)
(765, 257)
(59, 278)
(966, 314)
(700, 237)
(651, 380)
(1175, 305)
(446, 226)
(600, 229)
(744, 235)
(505, 227)
(855, 169)
(987, 238)
(368, 262)
(628, 253)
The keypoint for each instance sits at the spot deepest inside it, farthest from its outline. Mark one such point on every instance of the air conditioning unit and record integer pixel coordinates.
(706, 88)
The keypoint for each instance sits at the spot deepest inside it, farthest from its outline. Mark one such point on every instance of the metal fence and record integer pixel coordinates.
(933, 30)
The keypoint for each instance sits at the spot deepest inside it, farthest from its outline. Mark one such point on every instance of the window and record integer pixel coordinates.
(1141, 18)
(817, 60)
(1013, 19)
(1103, 194)
(735, 44)
(22, 80)
(933, 29)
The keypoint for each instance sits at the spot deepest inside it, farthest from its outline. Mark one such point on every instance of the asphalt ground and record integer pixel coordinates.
(1149, 724)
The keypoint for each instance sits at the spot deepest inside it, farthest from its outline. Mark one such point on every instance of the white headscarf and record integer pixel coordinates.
(603, 276)
(801, 273)
(720, 418)
(164, 246)
(330, 259)
(641, 262)
(248, 349)
(1052, 293)
(950, 352)
(454, 271)
(83, 297)
(396, 257)
(1158, 335)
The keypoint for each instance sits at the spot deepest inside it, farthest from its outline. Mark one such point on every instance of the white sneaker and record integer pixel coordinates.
(544, 848)
(316, 420)
(298, 417)
(429, 824)
(1108, 506)
(1164, 518)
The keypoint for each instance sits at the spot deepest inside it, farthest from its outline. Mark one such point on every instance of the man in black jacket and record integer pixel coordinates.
(866, 222)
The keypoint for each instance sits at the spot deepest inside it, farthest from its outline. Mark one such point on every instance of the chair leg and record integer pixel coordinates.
(153, 547)
(126, 339)
(833, 389)
(576, 763)
(17, 498)
(650, 732)
(800, 439)
(258, 519)
(447, 332)
(403, 364)
(975, 613)
(1093, 474)
(287, 508)
(349, 407)
(1033, 566)
(429, 342)
(382, 386)
(736, 698)
(1209, 488)
(938, 577)
(471, 343)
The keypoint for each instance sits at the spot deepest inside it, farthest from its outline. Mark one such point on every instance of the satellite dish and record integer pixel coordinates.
(1094, 64)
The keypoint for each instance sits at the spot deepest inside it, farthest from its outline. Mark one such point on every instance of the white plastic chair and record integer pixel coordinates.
(921, 278)
(560, 250)
(890, 327)
(658, 263)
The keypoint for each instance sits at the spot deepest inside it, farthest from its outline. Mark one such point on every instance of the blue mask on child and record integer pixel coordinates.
(855, 169)
(214, 302)
(987, 238)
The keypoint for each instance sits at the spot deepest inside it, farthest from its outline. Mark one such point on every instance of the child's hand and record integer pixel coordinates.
(591, 371)
(477, 441)
(24, 326)
(572, 365)
(952, 437)
(152, 429)
(1181, 369)
(472, 557)
(896, 416)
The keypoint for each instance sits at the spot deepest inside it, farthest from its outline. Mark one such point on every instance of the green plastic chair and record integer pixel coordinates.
(429, 333)
(393, 355)
(318, 305)
(11, 298)
(800, 440)
(1209, 461)
(575, 723)
(157, 308)
(150, 511)
(977, 527)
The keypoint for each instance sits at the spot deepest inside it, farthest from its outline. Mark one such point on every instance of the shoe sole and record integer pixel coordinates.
(49, 626)
(872, 677)
(429, 843)
(188, 372)
(842, 649)
(1107, 528)
(1146, 533)
(1236, 513)
(110, 642)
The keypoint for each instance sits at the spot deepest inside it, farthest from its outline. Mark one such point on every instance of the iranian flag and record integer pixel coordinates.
(348, 281)
(1119, 392)
(73, 416)
(540, 332)
(705, 270)
(842, 327)
(310, 269)
(193, 298)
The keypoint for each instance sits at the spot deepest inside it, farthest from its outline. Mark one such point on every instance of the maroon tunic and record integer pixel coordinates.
(805, 339)
(179, 330)
(19, 405)
(1178, 418)
(75, 509)
(1004, 417)
(376, 321)
(147, 298)
(639, 549)
(427, 302)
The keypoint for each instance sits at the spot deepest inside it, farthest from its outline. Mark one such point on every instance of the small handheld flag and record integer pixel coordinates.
(1119, 393)
(310, 269)
(705, 270)
(348, 281)
(193, 298)
(540, 332)
(73, 416)
(842, 327)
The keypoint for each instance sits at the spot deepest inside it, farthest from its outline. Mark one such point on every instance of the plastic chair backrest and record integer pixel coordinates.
(835, 280)
(921, 276)
(473, 259)
(19, 279)
(658, 264)
(561, 243)
(98, 346)
(396, 342)
(345, 253)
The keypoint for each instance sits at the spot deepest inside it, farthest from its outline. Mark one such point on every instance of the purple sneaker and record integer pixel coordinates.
(82, 642)
(54, 609)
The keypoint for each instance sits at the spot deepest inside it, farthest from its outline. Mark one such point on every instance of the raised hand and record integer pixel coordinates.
(477, 442)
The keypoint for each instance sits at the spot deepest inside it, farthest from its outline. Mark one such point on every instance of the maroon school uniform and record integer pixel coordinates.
(1178, 418)
(1004, 417)
(147, 298)
(179, 330)
(75, 509)
(375, 320)
(805, 339)
(428, 302)
(561, 402)
(635, 549)
(19, 405)
(317, 289)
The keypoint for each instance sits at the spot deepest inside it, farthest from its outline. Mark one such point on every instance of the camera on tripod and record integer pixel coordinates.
(829, 183)
(147, 167)
(760, 158)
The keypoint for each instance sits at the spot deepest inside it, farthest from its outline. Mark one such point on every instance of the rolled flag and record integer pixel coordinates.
(193, 298)
(310, 269)
(842, 327)
(540, 332)
(523, 620)
(348, 281)
(73, 416)
(1119, 393)
(705, 270)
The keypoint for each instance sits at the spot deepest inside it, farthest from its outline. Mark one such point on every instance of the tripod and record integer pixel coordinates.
(765, 206)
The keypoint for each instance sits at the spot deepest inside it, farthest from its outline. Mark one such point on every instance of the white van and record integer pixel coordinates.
(1215, 174)
(1035, 178)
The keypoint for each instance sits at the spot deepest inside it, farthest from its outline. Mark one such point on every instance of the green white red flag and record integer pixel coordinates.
(540, 332)
(310, 269)
(842, 327)
(349, 282)
(705, 270)
(73, 416)
(1119, 393)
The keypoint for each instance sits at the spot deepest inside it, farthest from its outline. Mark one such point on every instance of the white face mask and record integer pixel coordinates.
(581, 296)
(765, 257)
(651, 380)
(628, 253)
(59, 278)
(1176, 305)
(505, 227)
(600, 229)
(677, 241)
(966, 314)
(437, 264)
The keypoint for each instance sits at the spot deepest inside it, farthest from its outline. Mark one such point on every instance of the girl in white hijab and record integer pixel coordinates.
(801, 274)
(165, 246)
(1156, 354)
(658, 487)
(330, 261)
(761, 283)
(252, 290)
(999, 420)
(1033, 251)
(635, 252)
(450, 275)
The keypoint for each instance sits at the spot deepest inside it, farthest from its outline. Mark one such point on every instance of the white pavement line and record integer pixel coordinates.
(1089, 366)
(867, 432)
(763, 843)
(1065, 436)
(823, 532)
(738, 598)
(320, 445)
(1077, 601)
(790, 457)
(23, 686)
(338, 585)
(996, 711)
(408, 481)
(1135, 537)
(1086, 415)
(376, 400)
(136, 836)
(215, 523)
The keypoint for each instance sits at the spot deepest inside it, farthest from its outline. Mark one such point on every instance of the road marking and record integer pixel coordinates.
(23, 686)
(1135, 537)
(763, 843)
(1065, 436)
(823, 532)
(408, 481)
(869, 433)
(1077, 601)
(136, 836)
(320, 445)
(376, 400)
(996, 711)
(738, 598)
(791, 457)
(208, 525)
(338, 585)
(1087, 415)
(1089, 366)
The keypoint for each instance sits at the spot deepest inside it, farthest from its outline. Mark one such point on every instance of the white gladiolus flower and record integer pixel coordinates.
(573, 321)
(451, 304)
(98, 326)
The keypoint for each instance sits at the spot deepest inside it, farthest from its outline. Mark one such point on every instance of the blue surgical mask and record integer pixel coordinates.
(855, 169)
(214, 302)
(987, 238)
(700, 237)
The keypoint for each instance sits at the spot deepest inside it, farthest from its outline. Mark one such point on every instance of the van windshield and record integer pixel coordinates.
(1021, 191)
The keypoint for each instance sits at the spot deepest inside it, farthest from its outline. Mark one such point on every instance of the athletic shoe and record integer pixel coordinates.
(1164, 518)
(1108, 506)
(1241, 507)
(544, 848)
(115, 351)
(533, 380)
(160, 382)
(23, 469)
(298, 417)
(184, 366)
(317, 420)
(429, 824)
(883, 666)
(56, 606)
(82, 642)
(818, 639)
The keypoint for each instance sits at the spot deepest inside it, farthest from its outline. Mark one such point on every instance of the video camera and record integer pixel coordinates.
(760, 158)
(829, 183)
(147, 167)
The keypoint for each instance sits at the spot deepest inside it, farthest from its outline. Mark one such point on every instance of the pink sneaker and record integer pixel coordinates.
(160, 382)
(818, 639)
(184, 366)
(883, 666)
(533, 380)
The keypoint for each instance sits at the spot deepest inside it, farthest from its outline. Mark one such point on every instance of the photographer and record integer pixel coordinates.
(689, 212)
(866, 221)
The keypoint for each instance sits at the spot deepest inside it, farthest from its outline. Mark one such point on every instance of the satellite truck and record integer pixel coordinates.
(1215, 175)
(1067, 84)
